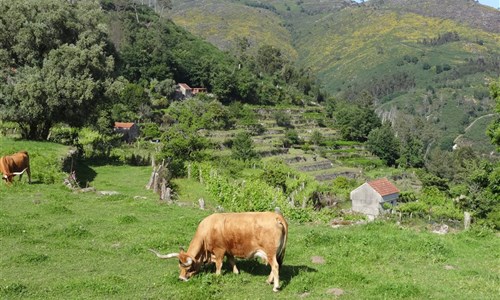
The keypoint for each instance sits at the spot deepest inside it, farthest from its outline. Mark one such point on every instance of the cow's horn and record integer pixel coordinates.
(19, 173)
(171, 255)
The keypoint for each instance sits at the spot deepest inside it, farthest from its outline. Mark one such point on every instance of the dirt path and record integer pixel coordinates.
(470, 125)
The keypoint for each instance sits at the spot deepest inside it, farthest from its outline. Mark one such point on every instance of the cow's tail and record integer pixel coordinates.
(280, 252)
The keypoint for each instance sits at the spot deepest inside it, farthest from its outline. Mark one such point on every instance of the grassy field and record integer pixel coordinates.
(58, 244)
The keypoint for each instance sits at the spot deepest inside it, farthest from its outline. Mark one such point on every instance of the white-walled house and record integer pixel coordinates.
(370, 197)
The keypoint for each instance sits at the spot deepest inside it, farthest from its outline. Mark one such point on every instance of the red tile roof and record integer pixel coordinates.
(384, 187)
(185, 86)
(123, 125)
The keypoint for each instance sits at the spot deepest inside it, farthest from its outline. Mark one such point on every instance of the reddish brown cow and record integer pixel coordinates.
(15, 164)
(242, 235)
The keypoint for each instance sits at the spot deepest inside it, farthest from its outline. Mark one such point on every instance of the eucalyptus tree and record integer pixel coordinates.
(55, 61)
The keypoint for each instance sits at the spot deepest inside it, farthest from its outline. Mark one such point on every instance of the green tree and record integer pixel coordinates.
(243, 147)
(283, 119)
(62, 61)
(494, 128)
(180, 144)
(411, 152)
(275, 174)
(383, 143)
(356, 122)
(269, 60)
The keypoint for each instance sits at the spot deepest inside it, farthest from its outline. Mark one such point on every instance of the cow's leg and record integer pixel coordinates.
(28, 171)
(219, 257)
(232, 262)
(274, 275)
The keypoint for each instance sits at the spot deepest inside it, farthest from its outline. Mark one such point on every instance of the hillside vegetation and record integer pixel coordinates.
(394, 51)
(262, 132)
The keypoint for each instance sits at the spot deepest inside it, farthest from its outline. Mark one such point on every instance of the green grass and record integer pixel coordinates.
(57, 244)
(60, 244)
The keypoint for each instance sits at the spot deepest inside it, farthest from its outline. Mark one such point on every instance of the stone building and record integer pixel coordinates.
(370, 197)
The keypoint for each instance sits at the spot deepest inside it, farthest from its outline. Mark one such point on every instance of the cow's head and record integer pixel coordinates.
(8, 177)
(187, 264)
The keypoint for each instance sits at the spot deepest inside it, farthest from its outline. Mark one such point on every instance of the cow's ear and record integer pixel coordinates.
(181, 249)
(185, 260)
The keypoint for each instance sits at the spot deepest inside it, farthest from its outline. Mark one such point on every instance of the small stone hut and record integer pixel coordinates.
(129, 130)
(185, 91)
(370, 197)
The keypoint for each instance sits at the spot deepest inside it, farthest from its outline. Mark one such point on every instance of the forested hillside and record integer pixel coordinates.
(410, 58)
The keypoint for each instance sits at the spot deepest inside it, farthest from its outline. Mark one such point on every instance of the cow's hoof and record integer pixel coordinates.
(276, 289)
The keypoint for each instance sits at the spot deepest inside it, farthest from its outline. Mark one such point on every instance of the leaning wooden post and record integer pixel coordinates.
(163, 193)
(155, 179)
(467, 220)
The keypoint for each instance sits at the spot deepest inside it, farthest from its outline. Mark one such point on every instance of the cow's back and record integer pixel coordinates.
(242, 234)
(19, 161)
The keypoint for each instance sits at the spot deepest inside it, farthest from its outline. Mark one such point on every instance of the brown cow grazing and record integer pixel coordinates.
(242, 235)
(15, 164)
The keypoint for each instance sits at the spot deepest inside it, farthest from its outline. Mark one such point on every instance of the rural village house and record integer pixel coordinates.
(370, 197)
(130, 131)
(185, 91)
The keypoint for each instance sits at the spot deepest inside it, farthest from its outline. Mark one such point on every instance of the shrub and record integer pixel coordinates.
(407, 196)
(64, 135)
(150, 131)
(316, 138)
(94, 144)
(243, 147)
(283, 119)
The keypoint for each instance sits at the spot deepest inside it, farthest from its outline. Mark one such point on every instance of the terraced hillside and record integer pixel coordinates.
(427, 58)
(325, 161)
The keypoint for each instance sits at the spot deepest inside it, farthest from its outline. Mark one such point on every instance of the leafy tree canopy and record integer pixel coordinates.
(494, 128)
(58, 63)
(383, 143)
(356, 122)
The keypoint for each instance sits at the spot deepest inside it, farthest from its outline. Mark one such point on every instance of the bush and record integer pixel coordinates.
(493, 219)
(8, 128)
(407, 196)
(256, 129)
(243, 147)
(64, 135)
(150, 131)
(417, 208)
(283, 119)
(291, 138)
